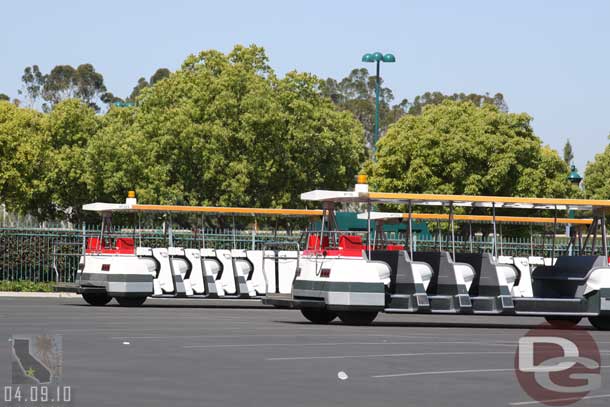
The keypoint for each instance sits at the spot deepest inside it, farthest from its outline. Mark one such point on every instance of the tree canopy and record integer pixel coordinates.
(434, 98)
(568, 154)
(597, 176)
(21, 156)
(225, 130)
(460, 148)
(159, 74)
(356, 94)
(63, 82)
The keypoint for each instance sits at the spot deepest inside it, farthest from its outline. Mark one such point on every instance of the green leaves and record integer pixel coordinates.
(597, 176)
(225, 130)
(459, 148)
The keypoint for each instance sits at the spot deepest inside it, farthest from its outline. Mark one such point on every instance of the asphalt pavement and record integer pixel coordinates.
(235, 353)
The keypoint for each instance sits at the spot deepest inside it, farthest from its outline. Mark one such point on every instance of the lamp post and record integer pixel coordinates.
(574, 176)
(575, 180)
(377, 57)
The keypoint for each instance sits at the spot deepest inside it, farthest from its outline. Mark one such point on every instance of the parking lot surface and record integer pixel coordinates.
(230, 353)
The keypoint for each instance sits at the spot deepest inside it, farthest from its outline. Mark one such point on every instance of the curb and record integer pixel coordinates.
(22, 294)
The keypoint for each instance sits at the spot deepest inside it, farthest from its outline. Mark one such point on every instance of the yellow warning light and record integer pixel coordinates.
(361, 179)
(131, 194)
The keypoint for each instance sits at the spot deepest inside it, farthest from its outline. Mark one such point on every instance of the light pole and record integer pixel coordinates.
(377, 57)
(575, 180)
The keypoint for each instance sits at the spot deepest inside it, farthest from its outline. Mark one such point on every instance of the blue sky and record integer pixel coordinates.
(550, 59)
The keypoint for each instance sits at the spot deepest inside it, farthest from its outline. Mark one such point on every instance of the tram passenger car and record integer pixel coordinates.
(343, 276)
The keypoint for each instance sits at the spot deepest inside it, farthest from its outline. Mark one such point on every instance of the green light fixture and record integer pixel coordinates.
(377, 57)
(574, 176)
(368, 58)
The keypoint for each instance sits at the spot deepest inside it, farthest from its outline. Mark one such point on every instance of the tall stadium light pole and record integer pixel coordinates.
(378, 58)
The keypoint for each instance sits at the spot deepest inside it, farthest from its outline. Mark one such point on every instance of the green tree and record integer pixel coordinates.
(225, 130)
(142, 83)
(68, 128)
(597, 176)
(435, 98)
(65, 82)
(460, 148)
(32, 84)
(22, 151)
(4, 97)
(356, 94)
(159, 74)
(568, 154)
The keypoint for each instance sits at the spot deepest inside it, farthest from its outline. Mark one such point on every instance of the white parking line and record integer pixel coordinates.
(388, 355)
(335, 344)
(443, 372)
(527, 403)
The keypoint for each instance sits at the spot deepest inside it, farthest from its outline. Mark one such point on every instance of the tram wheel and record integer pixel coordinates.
(130, 301)
(357, 317)
(318, 315)
(97, 299)
(563, 322)
(601, 323)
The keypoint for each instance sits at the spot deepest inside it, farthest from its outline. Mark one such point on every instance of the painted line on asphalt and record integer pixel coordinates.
(575, 399)
(388, 355)
(449, 372)
(330, 344)
(298, 335)
(442, 372)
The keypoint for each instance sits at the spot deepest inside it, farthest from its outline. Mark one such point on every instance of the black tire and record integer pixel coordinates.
(563, 322)
(318, 315)
(601, 323)
(97, 299)
(358, 317)
(130, 301)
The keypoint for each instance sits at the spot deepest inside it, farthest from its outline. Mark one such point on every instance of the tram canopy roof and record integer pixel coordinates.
(456, 200)
(474, 218)
(103, 207)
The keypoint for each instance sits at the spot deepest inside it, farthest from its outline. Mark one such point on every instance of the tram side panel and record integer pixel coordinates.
(329, 282)
(116, 275)
(226, 276)
(287, 264)
(263, 273)
(244, 270)
(195, 277)
(181, 268)
(574, 285)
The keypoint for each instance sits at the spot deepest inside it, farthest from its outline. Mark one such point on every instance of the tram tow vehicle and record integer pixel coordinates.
(117, 268)
(341, 276)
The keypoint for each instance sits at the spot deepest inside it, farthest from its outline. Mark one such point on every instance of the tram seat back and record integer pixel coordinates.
(402, 269)
(350, 242)
(444, 271)
(125, 245)
(486, 280)
(567, 278)
(93, 244)
(313, 242)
